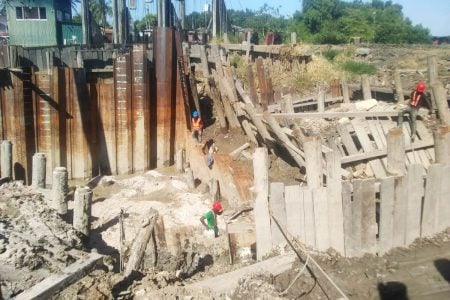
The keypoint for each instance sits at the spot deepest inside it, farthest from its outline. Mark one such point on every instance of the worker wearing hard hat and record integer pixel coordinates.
(211, 218)
(418, 97)
(196, 127)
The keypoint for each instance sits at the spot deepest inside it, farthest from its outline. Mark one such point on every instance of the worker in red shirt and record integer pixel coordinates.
(196, 127)
(211, 217)
(418, 97)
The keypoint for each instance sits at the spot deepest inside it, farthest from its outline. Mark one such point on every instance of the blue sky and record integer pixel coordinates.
(432, 14)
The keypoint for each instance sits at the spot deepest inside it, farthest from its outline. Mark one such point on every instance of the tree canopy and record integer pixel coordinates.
(329, 21)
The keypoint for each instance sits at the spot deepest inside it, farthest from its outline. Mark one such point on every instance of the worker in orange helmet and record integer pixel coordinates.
(211, 217)
(196, 127)
(418, 97)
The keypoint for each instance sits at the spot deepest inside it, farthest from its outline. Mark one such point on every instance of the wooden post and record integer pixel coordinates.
(190, 178)
(82, 210)
(367, 94)
(313, 161)
(140, 242)
(293, 38)
(60, 189)
(38, 170)
(442, 144)
(204, 59)
(251, 85)
(396, 163)
(432, 78)
(261, 208)
(193, 85)
(6, 159)
(249, 45)
(440, 97)
(345, 93)
(262, 83)
(180, 160)
(215, 189)
(398, 86)
(321, 101)
(218, 106)
(289, 106)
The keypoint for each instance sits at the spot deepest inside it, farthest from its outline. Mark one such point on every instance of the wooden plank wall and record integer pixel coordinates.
(375, 215)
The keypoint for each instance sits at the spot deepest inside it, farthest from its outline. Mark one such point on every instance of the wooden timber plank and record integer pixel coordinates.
(308, 205)
(368, 221)
(56, 282)
(334, 198)
(347, 139)
(415, 190)
(400, 211)
(347, 213)
(294, 214)
(331, 115)
(386, 214)
(321, 218)
(380, 153)
(444, 201)
(278, 209)
(378, 138)
(356, 217)
(433, 196)
(367, 146)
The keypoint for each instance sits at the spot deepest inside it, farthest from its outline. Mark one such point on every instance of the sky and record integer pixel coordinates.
(432, 14)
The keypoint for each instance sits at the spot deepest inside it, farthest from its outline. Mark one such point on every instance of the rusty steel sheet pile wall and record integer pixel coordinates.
(122, 84)
(95, 123)
(165, 95)
(15, 121)
(140, 107)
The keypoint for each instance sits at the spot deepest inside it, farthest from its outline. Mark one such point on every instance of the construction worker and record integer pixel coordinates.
(208, 149)
(196, 127)
(418, 97)
(211, 217)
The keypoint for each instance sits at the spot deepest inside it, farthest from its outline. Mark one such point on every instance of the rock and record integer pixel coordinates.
(362, 51)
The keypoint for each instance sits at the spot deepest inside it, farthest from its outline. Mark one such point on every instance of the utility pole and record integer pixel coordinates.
(122, 21)
(86, 25)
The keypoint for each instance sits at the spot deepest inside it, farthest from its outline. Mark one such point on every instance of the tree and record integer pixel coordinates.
(100, 9)
(148, 21)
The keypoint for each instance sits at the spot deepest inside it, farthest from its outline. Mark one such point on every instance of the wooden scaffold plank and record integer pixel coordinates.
(386, 214)
(278, 209)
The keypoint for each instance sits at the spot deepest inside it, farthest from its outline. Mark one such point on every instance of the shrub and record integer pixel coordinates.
(359, 68)
(331, 54)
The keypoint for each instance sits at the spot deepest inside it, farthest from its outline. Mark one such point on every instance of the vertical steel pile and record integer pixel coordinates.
(165, 95)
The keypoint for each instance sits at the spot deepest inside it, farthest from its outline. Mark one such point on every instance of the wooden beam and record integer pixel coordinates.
(331, 115)
(382, 153)
(57, 282)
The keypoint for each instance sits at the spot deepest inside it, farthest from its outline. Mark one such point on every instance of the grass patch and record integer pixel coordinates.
(331, 54)
(359, 68)
(236, 61)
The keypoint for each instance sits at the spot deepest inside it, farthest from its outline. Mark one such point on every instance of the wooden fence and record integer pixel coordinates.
(368, 215)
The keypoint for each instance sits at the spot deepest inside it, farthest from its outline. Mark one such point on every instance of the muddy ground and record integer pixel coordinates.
(35, 242)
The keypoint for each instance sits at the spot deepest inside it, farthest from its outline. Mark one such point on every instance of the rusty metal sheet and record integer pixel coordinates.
(122, 78)
(106, 127)
(140, 107)
(79, 127)
(165, 95)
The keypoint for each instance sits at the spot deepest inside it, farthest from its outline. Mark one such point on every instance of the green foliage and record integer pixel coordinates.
(236, 61)
(148, 21)
(100, 10)
(331, 54)
(337, 21)
(358, 68)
